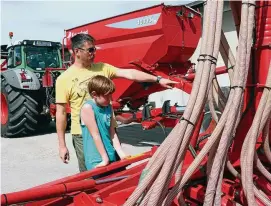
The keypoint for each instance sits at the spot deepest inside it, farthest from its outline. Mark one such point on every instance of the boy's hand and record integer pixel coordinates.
(102, 163)
(125, 157)
(122, 155)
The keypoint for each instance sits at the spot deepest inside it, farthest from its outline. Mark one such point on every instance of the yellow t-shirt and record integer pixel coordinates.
(71, 87)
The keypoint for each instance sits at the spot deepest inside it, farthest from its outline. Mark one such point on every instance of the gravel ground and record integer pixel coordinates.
(31, 161)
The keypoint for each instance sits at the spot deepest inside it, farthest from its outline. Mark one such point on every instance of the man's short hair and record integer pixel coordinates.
(79, 39)
(101, 85)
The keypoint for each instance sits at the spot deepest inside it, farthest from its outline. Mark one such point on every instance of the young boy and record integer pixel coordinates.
(101, 144)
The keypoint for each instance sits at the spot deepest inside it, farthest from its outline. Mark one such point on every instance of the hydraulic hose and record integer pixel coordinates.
(261, 167)
(227, 55)
(266, 138)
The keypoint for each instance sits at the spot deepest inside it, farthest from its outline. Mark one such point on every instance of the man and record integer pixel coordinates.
(71, 87)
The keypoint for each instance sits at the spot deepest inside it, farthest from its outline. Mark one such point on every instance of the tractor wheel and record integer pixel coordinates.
(19, 111)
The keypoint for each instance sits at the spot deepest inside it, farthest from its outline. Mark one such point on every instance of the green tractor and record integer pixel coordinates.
(27, 86)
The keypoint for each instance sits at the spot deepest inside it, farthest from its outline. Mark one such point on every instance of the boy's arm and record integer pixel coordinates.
(115, 140)
(88, 117)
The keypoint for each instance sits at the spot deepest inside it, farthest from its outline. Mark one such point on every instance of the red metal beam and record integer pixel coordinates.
(61, 200)
(97, 171)
(218, 71)
(46, 192)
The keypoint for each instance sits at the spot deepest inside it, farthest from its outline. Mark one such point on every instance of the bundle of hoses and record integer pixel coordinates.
(153, 188)
(261, 123)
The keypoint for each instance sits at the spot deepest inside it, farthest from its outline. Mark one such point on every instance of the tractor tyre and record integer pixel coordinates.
(19, 111)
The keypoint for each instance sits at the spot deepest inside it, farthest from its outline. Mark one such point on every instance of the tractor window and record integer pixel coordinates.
(42, 57)
(14, 57)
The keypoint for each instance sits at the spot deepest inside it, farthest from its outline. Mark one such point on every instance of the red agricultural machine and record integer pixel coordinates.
(229, 163)
(150, 40)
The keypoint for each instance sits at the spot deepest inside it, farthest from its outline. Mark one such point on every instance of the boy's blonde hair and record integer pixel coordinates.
(101, 85)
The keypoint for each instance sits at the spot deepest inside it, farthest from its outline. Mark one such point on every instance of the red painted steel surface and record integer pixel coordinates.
(47, 79)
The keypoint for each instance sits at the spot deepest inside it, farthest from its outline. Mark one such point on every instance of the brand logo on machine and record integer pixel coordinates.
(137, 22)
(71, 34)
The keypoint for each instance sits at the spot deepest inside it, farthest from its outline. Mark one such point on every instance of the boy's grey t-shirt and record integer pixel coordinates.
(103, 121)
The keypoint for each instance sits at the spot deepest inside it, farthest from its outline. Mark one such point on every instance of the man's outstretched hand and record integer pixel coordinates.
(167, 83)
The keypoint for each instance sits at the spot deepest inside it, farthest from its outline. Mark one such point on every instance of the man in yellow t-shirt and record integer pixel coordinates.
(71, 88)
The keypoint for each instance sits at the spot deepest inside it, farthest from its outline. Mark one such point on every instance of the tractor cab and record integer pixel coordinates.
(34, 55)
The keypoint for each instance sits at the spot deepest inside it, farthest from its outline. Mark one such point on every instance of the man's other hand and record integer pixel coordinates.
(64, 154)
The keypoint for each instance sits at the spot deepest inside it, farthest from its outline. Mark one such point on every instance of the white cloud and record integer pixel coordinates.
(47, 20)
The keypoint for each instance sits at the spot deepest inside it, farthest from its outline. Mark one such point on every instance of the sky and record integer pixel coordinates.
(47, 20)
